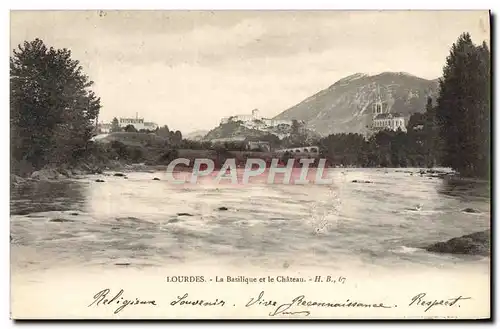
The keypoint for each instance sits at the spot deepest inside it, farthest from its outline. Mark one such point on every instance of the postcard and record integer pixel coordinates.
(325, 164)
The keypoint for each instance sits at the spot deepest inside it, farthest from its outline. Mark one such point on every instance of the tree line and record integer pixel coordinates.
(54, 113)
(164, 131)
(387, 148)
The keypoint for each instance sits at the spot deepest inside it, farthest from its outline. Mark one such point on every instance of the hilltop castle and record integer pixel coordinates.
(255, 120)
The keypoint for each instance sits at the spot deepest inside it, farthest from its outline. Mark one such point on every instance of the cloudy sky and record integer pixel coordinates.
(188, 69)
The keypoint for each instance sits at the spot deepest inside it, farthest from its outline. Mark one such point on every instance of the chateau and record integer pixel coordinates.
(256, 121)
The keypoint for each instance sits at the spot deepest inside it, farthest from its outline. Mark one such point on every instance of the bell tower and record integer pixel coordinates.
(377, 105)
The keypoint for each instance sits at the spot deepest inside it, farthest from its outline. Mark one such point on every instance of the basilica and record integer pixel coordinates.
(383, 119)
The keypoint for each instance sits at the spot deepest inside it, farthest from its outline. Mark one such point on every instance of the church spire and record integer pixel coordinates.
(377, 105)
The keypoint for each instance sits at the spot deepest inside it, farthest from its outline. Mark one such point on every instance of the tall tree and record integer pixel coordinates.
(176, 137)
(295, 127)
(463, 108)
(484, 105)
(432, 140)
(52, 109)
(163, 131)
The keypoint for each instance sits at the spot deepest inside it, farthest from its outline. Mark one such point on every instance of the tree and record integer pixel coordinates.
(178, 136)
(115, 126)
(295, 127)
(175, 137)
(130, 129)
(431, 139)
(52, 109)
(463, 108)
(416, 121)
(163, 131)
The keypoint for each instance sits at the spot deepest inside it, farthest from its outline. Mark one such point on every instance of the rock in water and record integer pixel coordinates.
(471, 211)
(156, 178)
(223, 208)
(61, 220)
(184, 214)
(473, 244)
(99, 181)
(119, 174)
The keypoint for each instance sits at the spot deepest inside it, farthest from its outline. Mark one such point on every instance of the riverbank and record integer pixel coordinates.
(477, 243)
(84, 169)
(55, 173)
(68, 172)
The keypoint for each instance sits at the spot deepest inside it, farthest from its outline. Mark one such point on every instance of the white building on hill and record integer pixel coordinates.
(137, 122)
(243, 117)
(256, 121)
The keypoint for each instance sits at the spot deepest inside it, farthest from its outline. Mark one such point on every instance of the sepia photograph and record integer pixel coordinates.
(250, 164)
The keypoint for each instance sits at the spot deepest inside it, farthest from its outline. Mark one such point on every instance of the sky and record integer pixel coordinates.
(187, 69)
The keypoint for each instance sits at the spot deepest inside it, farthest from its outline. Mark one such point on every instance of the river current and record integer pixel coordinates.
(144, 222)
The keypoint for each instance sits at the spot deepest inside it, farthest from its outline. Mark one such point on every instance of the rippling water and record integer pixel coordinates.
(143, 222)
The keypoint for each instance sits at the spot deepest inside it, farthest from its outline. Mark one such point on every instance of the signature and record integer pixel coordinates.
(420, 301)
(101, 298)
(298, 305)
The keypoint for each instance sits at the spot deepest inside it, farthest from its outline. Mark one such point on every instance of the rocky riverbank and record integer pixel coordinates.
(472, 244)
(59, 173)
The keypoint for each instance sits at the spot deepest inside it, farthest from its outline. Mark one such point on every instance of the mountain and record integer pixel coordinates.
(196, 135)
(346, 106)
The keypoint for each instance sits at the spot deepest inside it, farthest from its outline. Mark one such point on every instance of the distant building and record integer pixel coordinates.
(256, 121)
(130, 121)
(242, 117)
(104, 128)
(150, 125)
(137, 122)
(313, 149)
(382, 119)
(391, 121)
(258, 146)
